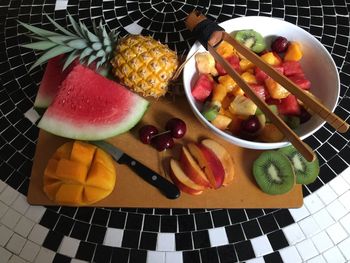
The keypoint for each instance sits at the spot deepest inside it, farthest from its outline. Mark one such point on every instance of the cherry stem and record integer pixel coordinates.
(161, 133)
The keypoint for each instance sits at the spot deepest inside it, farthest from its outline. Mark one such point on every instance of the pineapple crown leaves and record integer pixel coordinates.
(81, 43)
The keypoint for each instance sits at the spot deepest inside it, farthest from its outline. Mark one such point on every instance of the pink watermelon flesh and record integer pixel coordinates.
(292, 68)
(89, 106)
(301, 81)
(202, 88)
(289, 106)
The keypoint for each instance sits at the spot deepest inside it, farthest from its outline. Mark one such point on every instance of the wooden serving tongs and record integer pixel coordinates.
(210, 35)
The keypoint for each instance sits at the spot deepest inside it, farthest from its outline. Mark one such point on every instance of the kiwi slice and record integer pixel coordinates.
(210, 111)
(293, 122)
(251, 39)
(274, 173)
(305, 171)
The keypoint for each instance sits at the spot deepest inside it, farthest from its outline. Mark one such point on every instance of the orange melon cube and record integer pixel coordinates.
(294, 52)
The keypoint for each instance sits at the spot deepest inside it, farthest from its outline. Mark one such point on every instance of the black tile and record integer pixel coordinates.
(68, 211)
(148, 241)
(253, 213)
(80, 230)
(96, 234)
(64, 225)
(16, 179)
(327, 151)
(277, 240)
(138, 256)
(186, 223)
(209, 255)
(53, 240)
(151, 223)
(312, 142)
(100, 217)
(84, 213)
(251, 229)
(268, 223)
(235, 233)
(227, 254)
(345, 154)
(131, 239)
(283, 218)
(162, 211)
(337, 164)
(117, 219)
(274, 257)
(201, 239)
(120, 255)
(183, 241)
(203, 221)
(237, 215)
(220, 217)
(315, 185)
(134, 221)
(59, 258)
(168, 224)
(191, 256)
(85, 251)
(102, 254)
(49, 219)
(326, 174)
(244, 250)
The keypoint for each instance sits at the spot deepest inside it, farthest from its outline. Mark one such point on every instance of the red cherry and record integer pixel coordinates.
(146, 133)
(177, 127)
(280, 44)
(251, 125)
(163, 141)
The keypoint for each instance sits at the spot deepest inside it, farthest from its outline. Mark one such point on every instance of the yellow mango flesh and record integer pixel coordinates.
(79, 174)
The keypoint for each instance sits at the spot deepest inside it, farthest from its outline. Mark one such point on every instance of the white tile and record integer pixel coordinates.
(8, 195)
(344, 247)
(334, 255)
(261, 246)
(21, 205)
(255, 260)
(339, 185)
(322, 241)
(290, 255)
(336, 210)
(15, 243)
(318, 259)
(2, 185)
(16, 259)
(3, 209)
(61, 5)
(173, 257)
(11, 218)
(29, 251)
(323, 218)
(345, 221)
(299, 213)
(32, 114)
(69, 246)
(38, 234)
(326, 194)
(155, 257)
(344, 200)
(113, 237)
(309, 226)
(166, 242)
(313, 203)
(346, 175)
(306, 249)
(24, 226)
(5, 235)
(35, 213)
(293, 234)
(217, 237)
(336, 232)
(45, 255)
(5, 254)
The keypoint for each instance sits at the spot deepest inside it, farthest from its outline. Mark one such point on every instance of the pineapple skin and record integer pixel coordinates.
(144, 65)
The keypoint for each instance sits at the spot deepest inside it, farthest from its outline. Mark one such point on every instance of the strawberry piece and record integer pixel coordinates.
(233, 61)
(292, 68)
(289, 106)
(203, 87)
(301, 81)
(260, 91)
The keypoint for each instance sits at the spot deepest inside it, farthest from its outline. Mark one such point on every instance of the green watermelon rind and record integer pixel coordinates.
(66, 128)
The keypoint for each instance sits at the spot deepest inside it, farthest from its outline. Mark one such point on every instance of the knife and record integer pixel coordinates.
(166, 187)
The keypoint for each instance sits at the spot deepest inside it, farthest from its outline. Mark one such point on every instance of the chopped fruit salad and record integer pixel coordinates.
(226, 106)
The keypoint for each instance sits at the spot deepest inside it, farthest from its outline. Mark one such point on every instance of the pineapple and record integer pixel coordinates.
(143, 64)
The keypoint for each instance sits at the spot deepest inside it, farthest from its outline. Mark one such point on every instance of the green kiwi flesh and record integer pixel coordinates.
(305, 172)
(251, 39)
(273, 173)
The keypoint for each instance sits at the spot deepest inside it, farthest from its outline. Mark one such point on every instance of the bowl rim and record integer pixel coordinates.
(253, 144)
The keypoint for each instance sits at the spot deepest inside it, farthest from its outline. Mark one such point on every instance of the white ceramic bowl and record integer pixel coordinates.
(317, 64)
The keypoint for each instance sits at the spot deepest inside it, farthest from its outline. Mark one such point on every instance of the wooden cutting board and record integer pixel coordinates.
(132, 191)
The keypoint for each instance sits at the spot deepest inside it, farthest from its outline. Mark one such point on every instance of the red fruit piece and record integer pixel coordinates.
(234, 62)
(301, 81)
(289, 106)
(260, 75)
(292, 68)
(260, 91)
(203, 87)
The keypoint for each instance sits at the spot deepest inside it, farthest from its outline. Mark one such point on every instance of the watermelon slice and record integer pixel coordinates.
(89, 106)
(289, 106)
(233, 61)
(292, 68)
(203, 87)
(301, 81)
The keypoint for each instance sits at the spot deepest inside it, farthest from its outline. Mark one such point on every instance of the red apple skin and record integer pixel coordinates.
(192, 169)
(208, 161)
(224, 157)
(182, 181)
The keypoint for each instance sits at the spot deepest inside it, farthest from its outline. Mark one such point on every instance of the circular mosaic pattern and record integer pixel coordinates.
(208, 235)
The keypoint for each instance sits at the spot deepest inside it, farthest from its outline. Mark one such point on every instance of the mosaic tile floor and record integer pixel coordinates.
(317, 232)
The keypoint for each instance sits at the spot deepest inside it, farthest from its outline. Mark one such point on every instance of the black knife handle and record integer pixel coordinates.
(166, 187)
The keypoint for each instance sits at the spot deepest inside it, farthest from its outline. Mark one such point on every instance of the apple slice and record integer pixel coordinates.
(209, 162)
(192, 169)
(224, 157)
(184, 183)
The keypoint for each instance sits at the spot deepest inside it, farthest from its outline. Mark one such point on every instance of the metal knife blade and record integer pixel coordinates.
(166, 187)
